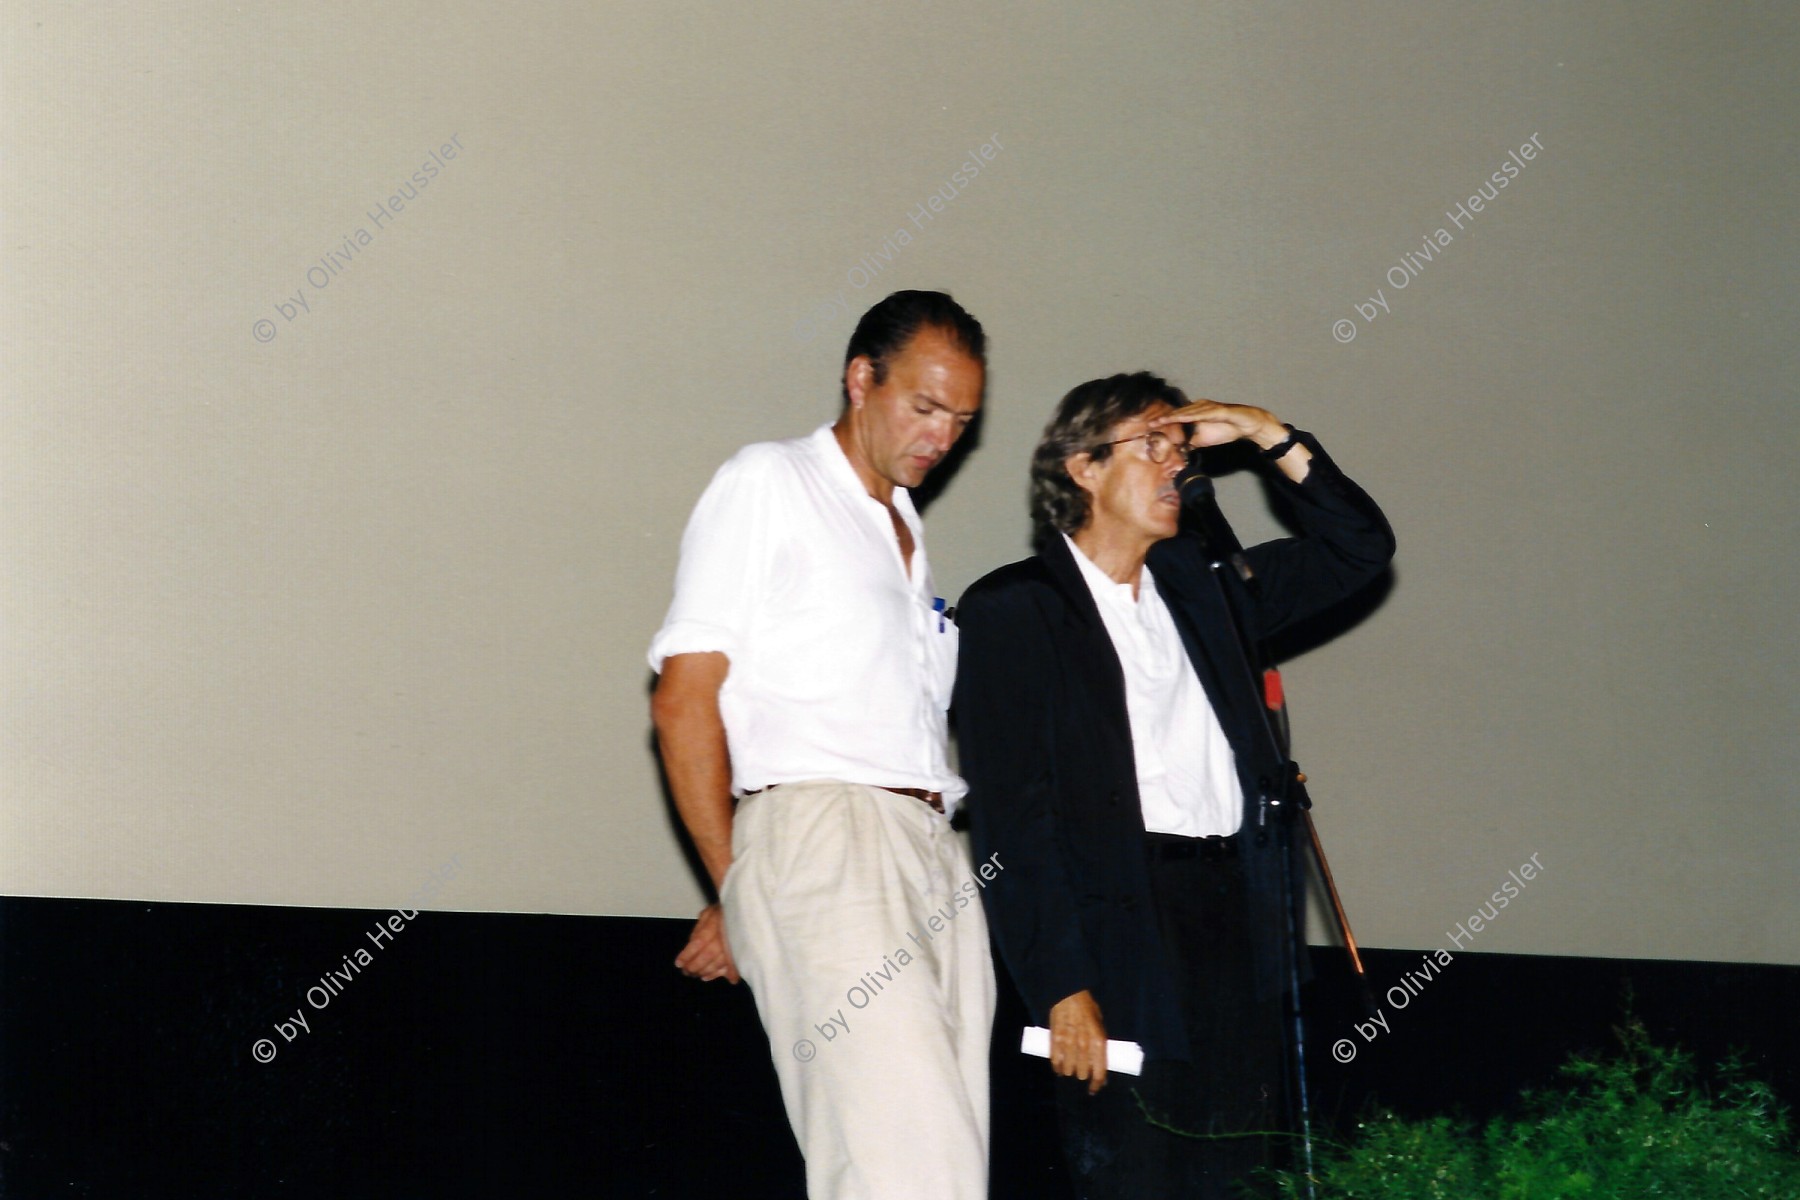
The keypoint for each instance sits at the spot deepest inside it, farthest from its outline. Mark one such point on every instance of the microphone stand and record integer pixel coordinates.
(1286, 799)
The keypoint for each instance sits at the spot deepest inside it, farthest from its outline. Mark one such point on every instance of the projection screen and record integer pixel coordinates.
(363, 363)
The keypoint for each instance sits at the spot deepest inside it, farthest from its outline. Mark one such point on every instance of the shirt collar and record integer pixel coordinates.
(1104, 586)
(824, 443)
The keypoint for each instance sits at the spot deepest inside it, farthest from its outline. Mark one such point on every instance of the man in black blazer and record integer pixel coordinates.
(1121, 765)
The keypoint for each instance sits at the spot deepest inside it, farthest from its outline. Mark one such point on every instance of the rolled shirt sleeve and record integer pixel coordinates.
(725, 560)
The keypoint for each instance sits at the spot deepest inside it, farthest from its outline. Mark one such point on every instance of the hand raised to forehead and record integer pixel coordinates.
(1211, 423)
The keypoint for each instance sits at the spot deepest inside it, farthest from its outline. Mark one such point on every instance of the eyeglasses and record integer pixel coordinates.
(1157, 444)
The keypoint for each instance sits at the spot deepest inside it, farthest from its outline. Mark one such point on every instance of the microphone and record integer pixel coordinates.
(1200, 498)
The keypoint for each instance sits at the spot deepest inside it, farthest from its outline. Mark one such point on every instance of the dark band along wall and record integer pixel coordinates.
(179, 1050)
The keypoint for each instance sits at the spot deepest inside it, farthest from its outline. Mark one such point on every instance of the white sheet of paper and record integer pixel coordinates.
(1127, 1058)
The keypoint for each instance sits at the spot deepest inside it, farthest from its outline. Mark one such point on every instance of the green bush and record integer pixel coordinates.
(1636, 1125)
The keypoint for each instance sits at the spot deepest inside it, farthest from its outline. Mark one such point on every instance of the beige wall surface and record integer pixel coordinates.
(335, 530)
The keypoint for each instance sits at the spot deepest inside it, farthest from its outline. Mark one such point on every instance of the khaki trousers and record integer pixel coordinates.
(852, 914)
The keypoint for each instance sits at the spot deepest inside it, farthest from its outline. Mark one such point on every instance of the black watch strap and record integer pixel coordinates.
(1282, 447)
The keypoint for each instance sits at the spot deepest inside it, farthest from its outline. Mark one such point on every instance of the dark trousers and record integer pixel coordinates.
(1232, 1086)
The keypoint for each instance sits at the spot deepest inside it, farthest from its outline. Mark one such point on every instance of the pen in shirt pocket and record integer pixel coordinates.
(937, 606)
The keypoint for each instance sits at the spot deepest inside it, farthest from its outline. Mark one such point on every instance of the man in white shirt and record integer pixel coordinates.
(806, 667)
(1120, 762)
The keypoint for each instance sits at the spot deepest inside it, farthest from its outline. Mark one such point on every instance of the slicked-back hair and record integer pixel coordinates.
(1081, 422)
(885, 329)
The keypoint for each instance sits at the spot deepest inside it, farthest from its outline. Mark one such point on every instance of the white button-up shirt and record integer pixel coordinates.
(1187, 774)
(841, 665)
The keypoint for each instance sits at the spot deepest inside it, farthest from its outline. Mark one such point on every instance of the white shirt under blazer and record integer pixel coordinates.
(1187, 775)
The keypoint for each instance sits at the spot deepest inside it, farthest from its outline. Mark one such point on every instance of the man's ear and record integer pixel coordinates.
(859, 378)
(1082, 468)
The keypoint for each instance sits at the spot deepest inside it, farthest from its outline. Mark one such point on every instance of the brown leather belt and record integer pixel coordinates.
(934, 799)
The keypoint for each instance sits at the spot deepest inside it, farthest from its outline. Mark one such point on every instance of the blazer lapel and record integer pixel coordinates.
(1088, 631)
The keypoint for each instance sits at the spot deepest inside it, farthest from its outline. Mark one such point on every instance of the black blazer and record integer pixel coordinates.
(1046, 747)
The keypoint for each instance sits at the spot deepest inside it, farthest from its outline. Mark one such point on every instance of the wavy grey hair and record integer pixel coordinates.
(1081, 422)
